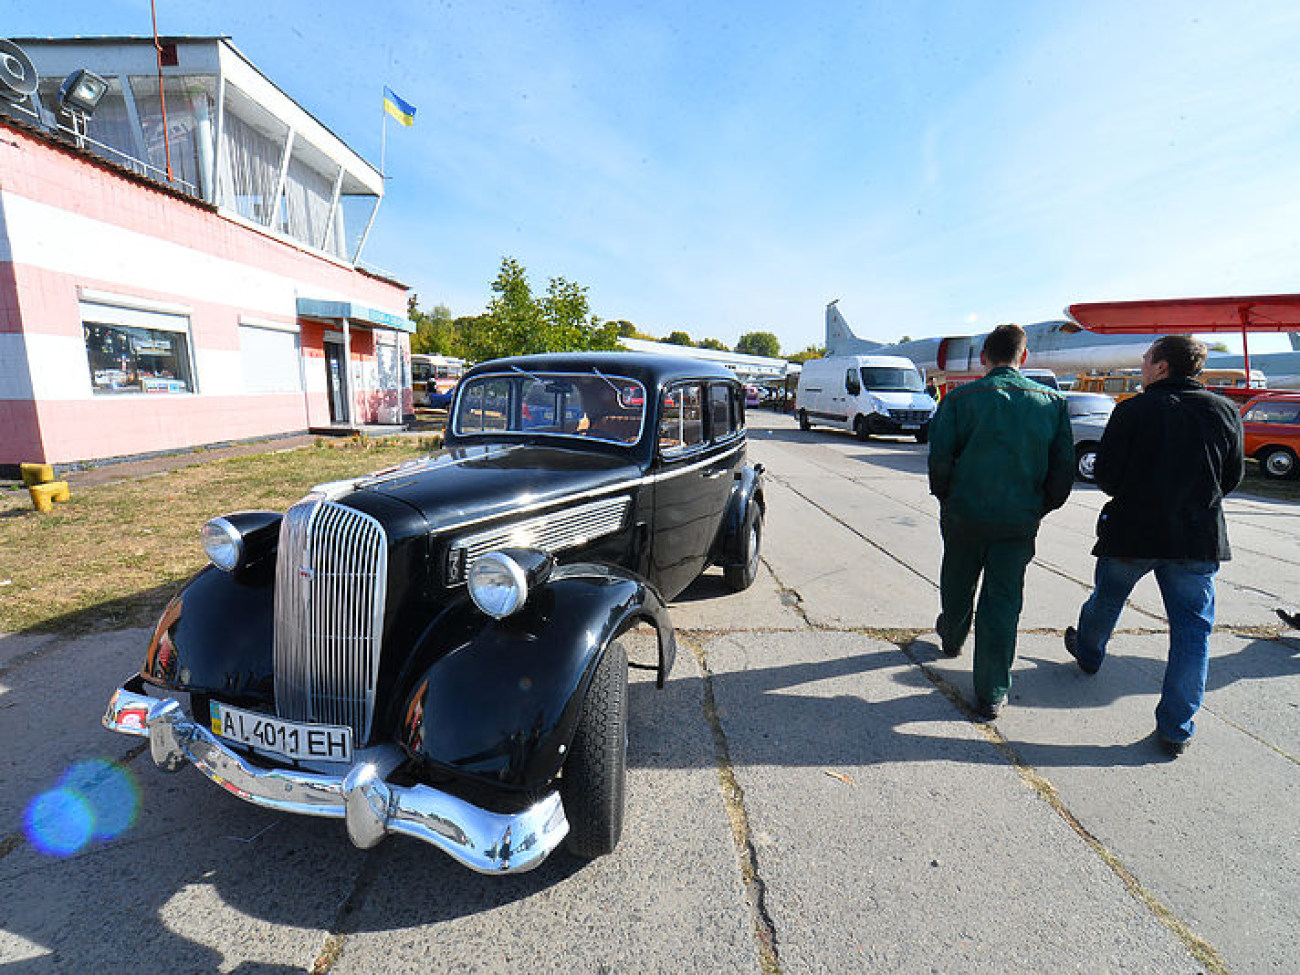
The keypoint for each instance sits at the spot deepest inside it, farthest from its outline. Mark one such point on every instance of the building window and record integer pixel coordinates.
(129, 359)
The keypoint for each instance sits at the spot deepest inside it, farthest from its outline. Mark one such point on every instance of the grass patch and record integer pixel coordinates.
(112, 555)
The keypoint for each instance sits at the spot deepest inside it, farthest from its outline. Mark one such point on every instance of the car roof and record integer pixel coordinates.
(652, 369)
(1285, 395)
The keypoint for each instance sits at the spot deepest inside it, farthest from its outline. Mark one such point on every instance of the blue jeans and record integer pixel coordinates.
(1187, 589)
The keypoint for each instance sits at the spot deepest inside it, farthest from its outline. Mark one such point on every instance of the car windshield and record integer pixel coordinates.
(1090, 404)
(593, 406)
(887, 378)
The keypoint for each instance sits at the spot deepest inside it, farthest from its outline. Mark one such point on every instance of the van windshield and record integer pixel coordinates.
(887, 378)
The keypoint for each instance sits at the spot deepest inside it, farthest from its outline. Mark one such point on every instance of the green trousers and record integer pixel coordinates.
(970, 551)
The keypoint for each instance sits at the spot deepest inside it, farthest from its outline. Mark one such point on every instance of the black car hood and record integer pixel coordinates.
(469, 484)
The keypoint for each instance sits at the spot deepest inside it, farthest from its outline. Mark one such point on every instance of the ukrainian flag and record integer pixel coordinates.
(404, 112)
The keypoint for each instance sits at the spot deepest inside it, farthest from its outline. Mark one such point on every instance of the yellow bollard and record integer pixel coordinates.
(37, 474)
(43, 495)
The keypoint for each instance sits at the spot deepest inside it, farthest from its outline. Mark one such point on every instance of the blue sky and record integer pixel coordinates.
(721, 168)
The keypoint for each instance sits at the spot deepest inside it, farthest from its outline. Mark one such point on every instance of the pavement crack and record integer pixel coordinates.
(866, 538)
(345, 920)
(790, 597)
(1204, 952)
(733, 797)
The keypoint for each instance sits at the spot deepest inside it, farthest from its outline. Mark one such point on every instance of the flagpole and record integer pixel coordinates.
(383, 142)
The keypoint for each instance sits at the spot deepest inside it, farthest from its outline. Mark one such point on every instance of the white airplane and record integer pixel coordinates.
(1063, 346)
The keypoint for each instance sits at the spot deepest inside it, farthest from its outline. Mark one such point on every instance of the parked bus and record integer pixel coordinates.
(433, 377)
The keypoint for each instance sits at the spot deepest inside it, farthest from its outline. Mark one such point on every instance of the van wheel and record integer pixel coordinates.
(1085, 461)
(1278, 463)
(803, 420)
(860, 428)
(923, 435)
(593, 780)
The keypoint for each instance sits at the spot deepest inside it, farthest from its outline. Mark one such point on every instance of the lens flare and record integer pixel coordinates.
(94, 801)
(59, 822)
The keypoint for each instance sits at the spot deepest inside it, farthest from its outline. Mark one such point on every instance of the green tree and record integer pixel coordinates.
(713, 344)
(759, 343)
(435, 331)
(516, 323)
(811, 352)
(678, 338)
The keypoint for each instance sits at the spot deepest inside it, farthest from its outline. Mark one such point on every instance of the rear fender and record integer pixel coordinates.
(501, 698)
(729, 546)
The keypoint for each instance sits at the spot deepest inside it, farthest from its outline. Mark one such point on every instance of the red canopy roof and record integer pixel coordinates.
(1260, 313)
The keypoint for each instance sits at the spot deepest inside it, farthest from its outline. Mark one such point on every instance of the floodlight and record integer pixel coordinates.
(81, 92)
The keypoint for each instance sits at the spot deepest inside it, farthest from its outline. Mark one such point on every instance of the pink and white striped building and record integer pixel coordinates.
(137, 318)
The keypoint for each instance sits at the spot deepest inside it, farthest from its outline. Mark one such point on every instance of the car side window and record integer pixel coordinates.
(851, 383)
(1274, 413)
(682, 423)
(722, 410)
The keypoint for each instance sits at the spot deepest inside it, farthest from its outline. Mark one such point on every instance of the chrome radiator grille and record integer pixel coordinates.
(329, 609)
(553, 532)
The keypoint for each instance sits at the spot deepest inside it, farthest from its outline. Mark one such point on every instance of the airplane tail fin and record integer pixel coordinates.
(839, 337)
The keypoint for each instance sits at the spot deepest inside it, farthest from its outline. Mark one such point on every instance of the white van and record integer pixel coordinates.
(868, 394)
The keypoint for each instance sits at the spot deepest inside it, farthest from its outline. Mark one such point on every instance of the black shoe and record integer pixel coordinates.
(1072, 648)
(1173, 748)
(946, 650)
(1290, 619)
(989, 710)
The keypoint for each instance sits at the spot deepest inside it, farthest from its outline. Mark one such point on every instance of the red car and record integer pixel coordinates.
(1272, 425)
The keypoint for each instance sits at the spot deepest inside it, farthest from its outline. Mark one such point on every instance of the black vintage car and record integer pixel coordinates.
(433, 650)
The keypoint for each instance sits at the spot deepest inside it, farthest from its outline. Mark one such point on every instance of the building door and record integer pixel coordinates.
(336, 382)
(389, 361)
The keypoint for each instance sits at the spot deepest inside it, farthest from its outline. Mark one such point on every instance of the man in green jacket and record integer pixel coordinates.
(1001, 457)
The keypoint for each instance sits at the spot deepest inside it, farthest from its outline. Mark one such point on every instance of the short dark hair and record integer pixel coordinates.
(1004, 345)
(1185, 355)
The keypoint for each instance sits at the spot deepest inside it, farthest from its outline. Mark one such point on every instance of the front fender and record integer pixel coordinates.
(216, 635)
(729, 546)
(501, 699)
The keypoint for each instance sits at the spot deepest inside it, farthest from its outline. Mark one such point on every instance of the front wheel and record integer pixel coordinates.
(803, 420)
(860, 428)
(593, 783)
(923, 435)
(1085, 462)
(1278, 463)
(741, 577)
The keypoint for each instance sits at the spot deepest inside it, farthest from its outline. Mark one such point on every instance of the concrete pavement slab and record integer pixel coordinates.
(670, 900)
(186, 878)
(14, 646)
(1213, 835)
(892, 835)
(842, 579)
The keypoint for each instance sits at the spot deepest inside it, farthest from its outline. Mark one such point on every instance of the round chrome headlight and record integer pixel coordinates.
(223, 544)
(497, 584)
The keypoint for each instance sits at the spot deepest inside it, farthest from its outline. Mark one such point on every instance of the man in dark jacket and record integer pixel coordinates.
(1167, 458)
(1001, 457)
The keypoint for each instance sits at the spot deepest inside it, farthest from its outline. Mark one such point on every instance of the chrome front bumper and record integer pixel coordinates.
(485, 841)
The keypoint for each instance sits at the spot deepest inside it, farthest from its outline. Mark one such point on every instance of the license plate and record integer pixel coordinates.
(292, 739)
(911, 426)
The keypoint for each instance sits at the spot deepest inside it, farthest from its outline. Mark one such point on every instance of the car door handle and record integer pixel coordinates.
(714, 475)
